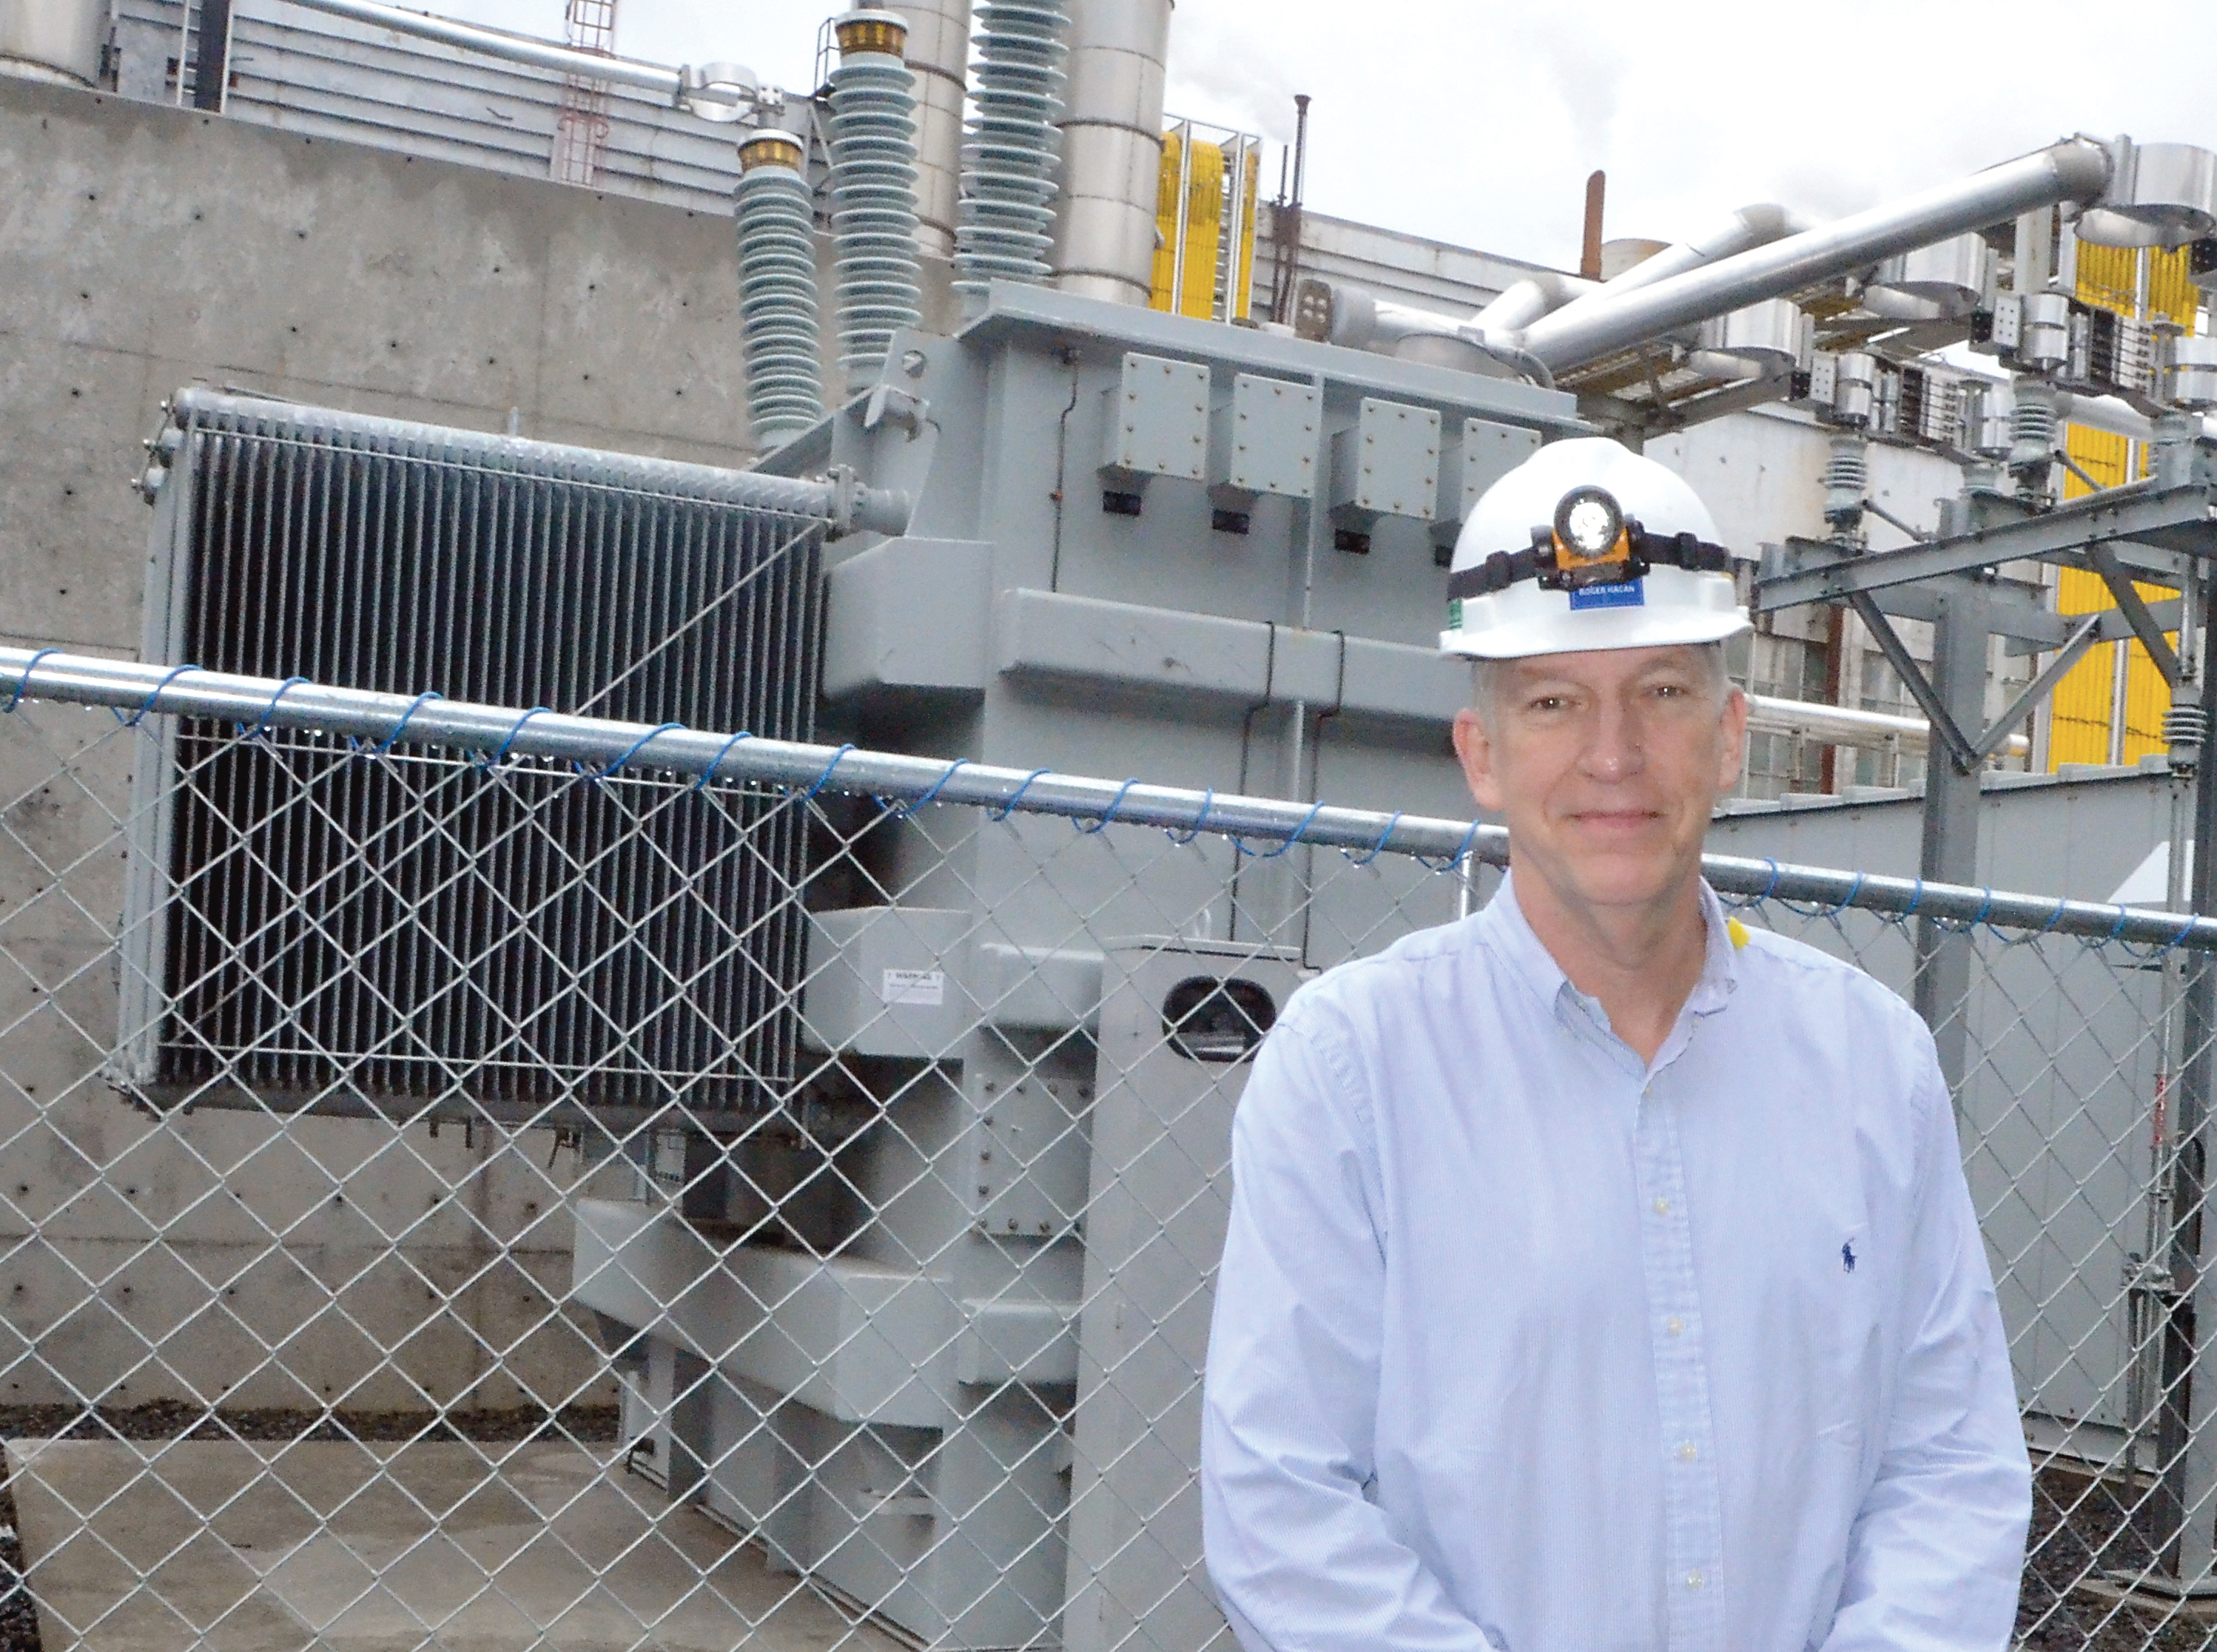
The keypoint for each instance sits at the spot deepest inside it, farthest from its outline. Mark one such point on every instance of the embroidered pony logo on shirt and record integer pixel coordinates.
(1848, 1257)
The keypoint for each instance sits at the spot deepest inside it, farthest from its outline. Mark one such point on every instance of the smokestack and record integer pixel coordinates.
(1589, 252)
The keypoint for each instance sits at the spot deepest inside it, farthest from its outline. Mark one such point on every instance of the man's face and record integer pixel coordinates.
(1607, 766)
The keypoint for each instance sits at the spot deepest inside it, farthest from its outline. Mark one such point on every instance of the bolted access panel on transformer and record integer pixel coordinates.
(312, 929)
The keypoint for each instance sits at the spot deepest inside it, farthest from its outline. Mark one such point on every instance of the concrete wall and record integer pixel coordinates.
(141, 249)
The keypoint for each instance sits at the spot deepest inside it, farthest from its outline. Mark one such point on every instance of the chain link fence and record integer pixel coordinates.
(476, 1177)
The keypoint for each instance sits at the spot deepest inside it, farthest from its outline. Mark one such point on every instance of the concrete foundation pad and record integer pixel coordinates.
(343, 1547)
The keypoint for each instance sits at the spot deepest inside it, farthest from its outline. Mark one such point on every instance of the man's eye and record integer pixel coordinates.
(1548, 703)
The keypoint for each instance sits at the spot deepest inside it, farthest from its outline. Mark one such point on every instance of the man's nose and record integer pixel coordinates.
(1614, 744)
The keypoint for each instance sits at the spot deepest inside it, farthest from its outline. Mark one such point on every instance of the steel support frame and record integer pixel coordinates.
(2144, 528)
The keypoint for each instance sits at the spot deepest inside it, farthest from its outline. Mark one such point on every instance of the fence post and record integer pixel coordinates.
(1950, 847)
(2185, 1521)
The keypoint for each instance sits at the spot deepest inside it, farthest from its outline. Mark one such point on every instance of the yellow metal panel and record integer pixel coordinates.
(2171, 291)
(2110, 277)
(1204, 229)
(1168, 220)
(2084, 707)
(1243, 248)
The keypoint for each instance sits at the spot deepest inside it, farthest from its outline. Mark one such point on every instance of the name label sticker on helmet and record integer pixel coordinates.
(1624, 593)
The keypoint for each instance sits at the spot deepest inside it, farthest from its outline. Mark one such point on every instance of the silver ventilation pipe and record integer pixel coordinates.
(939, 53)
(1523, 302)
(1112, 148)
(53, 40)
(779, 336)
(1011, 146)
(2076, 169)
(873, 189)
(1754, 225)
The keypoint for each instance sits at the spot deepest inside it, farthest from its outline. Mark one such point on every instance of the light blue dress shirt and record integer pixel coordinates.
(1523, 1343)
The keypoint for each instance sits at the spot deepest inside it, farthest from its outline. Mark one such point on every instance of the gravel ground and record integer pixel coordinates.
(19, 1619)
(2082, 1525)
(19, 1622)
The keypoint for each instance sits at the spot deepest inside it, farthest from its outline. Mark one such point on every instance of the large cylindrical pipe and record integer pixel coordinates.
(939, 53)
(779, 336)
(2074, 170)
(1754, 225)
(1112, 148)
(1523, 302)
(873, 189)
(53, 40)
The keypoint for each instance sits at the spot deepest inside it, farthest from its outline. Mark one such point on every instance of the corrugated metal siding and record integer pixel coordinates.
(329, 78)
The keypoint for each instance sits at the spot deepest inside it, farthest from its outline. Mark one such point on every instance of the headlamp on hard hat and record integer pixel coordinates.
(1588, 542)
(1591, 542)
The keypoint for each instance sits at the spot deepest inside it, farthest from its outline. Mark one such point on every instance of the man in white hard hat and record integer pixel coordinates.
(1601, 1272)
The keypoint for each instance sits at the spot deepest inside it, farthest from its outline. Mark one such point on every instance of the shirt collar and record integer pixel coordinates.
(1504, 926)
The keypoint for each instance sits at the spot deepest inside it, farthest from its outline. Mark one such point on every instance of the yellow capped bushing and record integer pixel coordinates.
(871, 31)
(771, 147)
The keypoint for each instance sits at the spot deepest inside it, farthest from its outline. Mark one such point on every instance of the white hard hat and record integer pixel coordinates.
(1587, 544)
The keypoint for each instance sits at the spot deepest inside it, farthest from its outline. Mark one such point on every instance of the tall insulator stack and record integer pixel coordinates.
(779, 329)
(1010, 157)
(873, 219)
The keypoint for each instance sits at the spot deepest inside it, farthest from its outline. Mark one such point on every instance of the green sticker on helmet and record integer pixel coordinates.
(1454, 613)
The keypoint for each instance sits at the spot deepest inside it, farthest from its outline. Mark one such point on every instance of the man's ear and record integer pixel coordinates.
(1474, 750)
(1732, 763)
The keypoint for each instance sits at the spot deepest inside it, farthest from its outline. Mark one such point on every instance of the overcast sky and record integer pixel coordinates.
(1476, 124)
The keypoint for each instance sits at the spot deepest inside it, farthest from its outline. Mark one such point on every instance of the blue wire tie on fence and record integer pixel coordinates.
(1009, 808)
(1295, 836)
(637, 746)
(383, 747)
(1108, 814)
(270, 710)
(1376, 849)
(716, 762)
(152, 695)
(501, 756)
(903, 811)
(824, 778)
(1208, 802)
(1452, 860)
(17, 699)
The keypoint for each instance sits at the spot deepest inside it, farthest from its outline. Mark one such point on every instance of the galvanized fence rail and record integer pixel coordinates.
(419, 1231)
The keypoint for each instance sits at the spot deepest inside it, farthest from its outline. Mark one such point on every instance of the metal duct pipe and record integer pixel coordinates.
(714, 91)
(1757, 224)
(1523, 302)
(1843, 725)
(2073, 170)
(1012, 145)
(873, 189)
(53, 40)
(939, 54)
(780, 337)
(1112, 148)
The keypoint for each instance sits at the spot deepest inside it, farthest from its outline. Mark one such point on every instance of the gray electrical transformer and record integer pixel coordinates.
(1140, 543)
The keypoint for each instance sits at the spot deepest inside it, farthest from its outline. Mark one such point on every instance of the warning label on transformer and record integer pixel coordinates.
(914, 986)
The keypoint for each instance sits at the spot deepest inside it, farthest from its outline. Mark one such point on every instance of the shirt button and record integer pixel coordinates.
(1661, 1207)
(1694, 1580)
(1675, 1325)
(1687, 1453)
